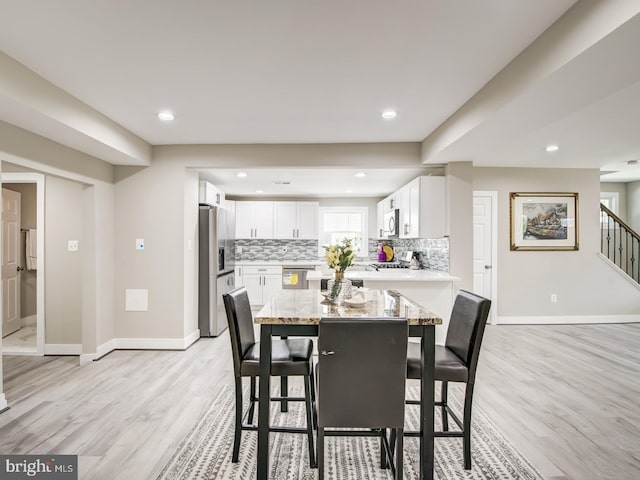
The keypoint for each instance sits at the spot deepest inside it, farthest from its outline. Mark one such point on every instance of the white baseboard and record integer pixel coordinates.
(567, 319)
(141, 344)
(28, 320)
(3, 402)
(191, 339)
(62, 349)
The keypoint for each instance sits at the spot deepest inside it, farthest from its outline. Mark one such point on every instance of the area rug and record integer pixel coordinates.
(206, 451)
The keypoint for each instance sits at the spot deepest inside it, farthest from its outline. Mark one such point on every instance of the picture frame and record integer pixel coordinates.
(543, 221)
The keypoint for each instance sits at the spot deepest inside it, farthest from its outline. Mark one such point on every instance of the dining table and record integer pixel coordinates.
(298, 313)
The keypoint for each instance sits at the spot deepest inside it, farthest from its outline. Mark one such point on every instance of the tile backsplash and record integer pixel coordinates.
(267, 249)
(433, 253)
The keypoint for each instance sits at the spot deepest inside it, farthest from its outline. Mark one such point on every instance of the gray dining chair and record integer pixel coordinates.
(289, 357)
(361, 383)
(456, 361)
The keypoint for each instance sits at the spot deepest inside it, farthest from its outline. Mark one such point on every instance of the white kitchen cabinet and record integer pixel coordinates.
(254, 219)
(423, 208)
(262, 283)
(296, 220)
(210, 194)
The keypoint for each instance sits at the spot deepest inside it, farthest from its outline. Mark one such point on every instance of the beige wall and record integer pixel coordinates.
(584, 283)
(150, 204)
(633, 205)
(22, 151)
(63, 269)
(460, 222)
(28, 287)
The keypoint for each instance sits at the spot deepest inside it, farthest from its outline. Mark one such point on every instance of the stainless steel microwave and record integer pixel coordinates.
(391, 223)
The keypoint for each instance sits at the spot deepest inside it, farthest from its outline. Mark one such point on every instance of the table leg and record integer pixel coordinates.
(264, 394)
(427, 393)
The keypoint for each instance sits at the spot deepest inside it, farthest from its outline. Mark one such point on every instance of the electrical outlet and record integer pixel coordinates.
(554, 298)
(139, 243)
(73, 245)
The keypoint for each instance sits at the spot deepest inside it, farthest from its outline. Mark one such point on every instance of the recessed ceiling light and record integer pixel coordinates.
(166, 116)
(349, 191)
(551, 148)
(632, 162)
(259, 191)
(241, 175)
(389, 114)
(361, 175)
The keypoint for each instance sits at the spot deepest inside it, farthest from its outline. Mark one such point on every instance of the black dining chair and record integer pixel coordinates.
(361, 382)
(290, 357)
(456, 361)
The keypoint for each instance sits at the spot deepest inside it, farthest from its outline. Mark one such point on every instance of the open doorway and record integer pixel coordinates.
(23, 264)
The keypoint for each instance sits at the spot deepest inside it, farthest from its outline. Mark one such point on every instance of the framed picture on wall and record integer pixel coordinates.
(544, 221)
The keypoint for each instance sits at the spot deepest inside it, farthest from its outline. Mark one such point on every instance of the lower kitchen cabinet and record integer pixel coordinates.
(262, 283)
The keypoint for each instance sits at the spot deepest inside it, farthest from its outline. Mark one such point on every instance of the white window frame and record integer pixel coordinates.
(364, 211)
(614, 198)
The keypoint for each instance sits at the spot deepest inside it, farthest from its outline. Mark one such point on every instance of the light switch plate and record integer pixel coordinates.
(73, 245)
(139, 243)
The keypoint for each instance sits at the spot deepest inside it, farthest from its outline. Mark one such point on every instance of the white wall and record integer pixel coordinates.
(586, 286)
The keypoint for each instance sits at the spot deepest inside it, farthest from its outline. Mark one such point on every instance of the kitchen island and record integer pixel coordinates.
(425, 287)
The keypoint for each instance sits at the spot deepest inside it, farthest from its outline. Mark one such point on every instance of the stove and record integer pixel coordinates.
(389, 265)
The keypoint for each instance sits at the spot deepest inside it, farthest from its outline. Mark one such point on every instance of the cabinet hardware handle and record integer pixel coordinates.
(488, 267)
(326, 354)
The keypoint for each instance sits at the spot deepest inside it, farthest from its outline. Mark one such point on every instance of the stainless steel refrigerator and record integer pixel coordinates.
(216, 229)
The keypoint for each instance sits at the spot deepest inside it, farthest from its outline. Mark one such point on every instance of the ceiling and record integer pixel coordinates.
(301, 72)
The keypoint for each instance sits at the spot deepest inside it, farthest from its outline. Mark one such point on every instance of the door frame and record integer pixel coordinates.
(493, 194)
(39, 180)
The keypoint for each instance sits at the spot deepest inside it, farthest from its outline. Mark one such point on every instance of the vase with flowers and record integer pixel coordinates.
(339, 257)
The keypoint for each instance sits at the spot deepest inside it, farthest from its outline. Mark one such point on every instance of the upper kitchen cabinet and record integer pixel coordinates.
(254, 219)
(295, 220)
(422, 210)
(210, 194)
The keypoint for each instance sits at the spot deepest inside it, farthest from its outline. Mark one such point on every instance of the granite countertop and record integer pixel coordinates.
(307, 307)
(391, 274)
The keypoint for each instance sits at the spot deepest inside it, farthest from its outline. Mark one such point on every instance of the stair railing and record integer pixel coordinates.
(619, 243)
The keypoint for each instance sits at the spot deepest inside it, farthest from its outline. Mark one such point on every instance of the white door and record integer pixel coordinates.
(10, 261)
(483, 246)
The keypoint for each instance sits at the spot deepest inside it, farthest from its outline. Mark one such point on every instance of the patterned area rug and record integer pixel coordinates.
(206, 452)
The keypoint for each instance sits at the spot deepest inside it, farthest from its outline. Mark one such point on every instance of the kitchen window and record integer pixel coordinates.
(337, 223)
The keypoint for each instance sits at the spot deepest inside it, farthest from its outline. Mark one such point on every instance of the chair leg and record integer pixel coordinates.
(443, 397)
(399, 433)
(383, 453)
(466, 421)
(309, 405)
(284, 392)
(238, 426)
(320, 446)
(313, 400)
(252, 400)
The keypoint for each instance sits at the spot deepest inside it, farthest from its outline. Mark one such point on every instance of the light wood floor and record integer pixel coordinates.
(566, 396)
